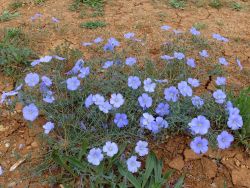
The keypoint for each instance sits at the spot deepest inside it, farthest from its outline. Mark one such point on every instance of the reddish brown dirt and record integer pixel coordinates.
(143, 17)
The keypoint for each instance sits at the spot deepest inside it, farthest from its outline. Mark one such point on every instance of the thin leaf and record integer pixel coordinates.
(179, 182)
(129, 176)
(150, 162)
(61, 162)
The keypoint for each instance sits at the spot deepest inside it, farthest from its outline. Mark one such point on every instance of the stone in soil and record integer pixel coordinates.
(190, 155)
(177, 163)
(209, 167)
(241, 177)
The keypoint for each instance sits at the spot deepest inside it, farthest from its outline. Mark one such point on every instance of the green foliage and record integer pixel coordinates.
(152, 177)
(200, 25)
(242, 101)
(236, 6)
(215, 4)
(96, 5)
(93, 24)
(6, 16)
(178, 4)
(38, 2)
(16, 5)
(74, 123)
(14, 55)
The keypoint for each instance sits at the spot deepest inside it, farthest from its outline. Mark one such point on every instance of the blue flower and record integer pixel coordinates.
(204, 53)
(130, 61)
(199, 125)
(30, 112)
(105, 107)
(194, 82)
(154, 127)
(98, 99)
(161, 122)
(149, 86)
(107, 64)
(77, 67)
(129, 35)
(185, 89)
(97, 40)
(46, 59)
(239, 64)
(87, 43)
(121, 120)
(49, 126)
(47, 81)
(110, 148)
(132, 164)
(32, 79)
(84, 71)
(89, 101)
(220, 81)
(112, 43)
(219, 96)
(197, 101)
(224, 140)
(199, 145)
(141, 148)
(166, 57)
(145, 101)
(95, 156)
(73, 83)
(55, 20)
(194, 31)
(191, 62)
(235, 122)
(223, 61)
(219, 37)
(117, 100)
(171, 94)
(162, 109)
(134, 82)
(165, 27)
(179, 55)
(146, 120)
(49, 98)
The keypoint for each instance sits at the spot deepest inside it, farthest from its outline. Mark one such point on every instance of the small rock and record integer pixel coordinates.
(7, 144)
(34, 144)
(19, 107)
(12, 184)
(241, 177)
(210, 168)
(190, 155)
(177, 163)
(2, 128)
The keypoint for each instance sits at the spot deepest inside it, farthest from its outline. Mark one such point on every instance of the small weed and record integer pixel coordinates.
(200, 26)
(16, 5)
(178, 4)
(93, 24)
(6, 16)
(242, 101)
(200, 3)
(14, 55)
(236, 6)
(38, 2)
(215, 4)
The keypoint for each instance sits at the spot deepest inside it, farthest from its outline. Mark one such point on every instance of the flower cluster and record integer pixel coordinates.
(96, 155)
(153, 108)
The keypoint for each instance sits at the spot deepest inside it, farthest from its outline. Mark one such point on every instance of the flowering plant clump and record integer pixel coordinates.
(119, 101)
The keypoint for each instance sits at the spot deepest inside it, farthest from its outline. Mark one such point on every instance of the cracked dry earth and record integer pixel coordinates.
(144, 17)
